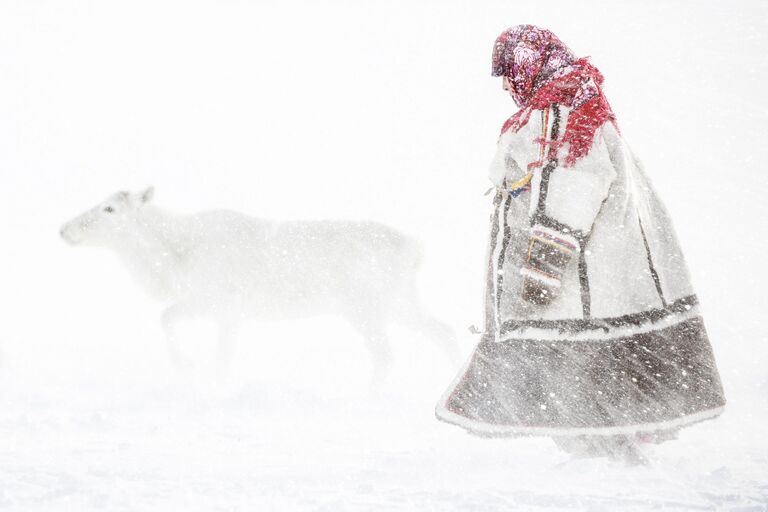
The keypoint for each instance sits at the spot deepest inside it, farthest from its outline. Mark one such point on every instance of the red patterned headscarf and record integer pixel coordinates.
(542, 70)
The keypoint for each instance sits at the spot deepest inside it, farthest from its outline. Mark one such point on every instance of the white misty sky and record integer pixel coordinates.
(381, 110)
(372, 110)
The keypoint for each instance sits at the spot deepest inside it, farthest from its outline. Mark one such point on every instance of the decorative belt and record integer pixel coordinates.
(521, 185)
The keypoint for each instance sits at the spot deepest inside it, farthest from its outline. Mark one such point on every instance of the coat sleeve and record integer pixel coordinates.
(513, 153)
(564, 204)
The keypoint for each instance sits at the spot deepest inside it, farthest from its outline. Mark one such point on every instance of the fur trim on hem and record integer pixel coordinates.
(486, 429)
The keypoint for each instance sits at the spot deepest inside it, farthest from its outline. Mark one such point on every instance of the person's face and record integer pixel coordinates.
(506, 85)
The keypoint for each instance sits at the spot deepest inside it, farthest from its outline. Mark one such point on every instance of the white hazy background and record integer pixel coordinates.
(356, 110)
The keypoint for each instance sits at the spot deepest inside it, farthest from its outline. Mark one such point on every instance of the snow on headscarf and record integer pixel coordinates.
(542, 71)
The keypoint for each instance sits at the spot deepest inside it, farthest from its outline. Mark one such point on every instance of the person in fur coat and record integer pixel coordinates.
(593, 332)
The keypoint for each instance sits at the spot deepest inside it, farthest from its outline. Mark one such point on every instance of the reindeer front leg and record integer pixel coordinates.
(228, 329)
(170, 319)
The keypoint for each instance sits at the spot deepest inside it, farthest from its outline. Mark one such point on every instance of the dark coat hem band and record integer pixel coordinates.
(677, 307)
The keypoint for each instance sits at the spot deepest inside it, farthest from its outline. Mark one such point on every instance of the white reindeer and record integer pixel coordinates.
(229, 266)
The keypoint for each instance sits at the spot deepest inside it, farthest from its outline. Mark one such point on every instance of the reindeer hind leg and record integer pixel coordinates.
(412, 314)
(374, 333)
(170, 319)
(228, 329)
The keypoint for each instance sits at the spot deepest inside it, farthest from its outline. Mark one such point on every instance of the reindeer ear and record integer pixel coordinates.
(147, 195)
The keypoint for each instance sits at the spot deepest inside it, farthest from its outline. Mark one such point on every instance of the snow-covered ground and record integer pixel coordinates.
(361, 110)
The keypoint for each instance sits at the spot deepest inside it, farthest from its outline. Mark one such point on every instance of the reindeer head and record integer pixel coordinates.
(107, 221)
